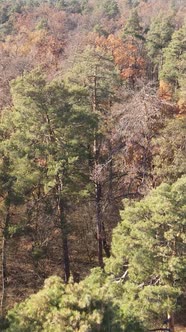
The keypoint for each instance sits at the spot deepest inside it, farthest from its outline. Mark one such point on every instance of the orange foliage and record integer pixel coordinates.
(165, 90)
(38, 47)
(182, 107)
(39, 37)
(41, 162)
(55, 20)
(126, 54)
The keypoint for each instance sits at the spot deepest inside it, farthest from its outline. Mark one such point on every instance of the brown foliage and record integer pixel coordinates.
(127, 55)
(165, 90)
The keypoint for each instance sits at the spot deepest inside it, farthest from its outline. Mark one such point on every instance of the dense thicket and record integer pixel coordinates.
(92, 112)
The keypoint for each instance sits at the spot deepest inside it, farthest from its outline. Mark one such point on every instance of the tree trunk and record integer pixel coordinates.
(4, 263)
(64, 231)
(170, 317)
(101, 237)
(98, 194)
(66, 262)
(99, 224)
(97, 182)
(110, 191)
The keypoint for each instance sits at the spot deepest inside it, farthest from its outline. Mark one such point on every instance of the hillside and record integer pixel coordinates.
(92, 108)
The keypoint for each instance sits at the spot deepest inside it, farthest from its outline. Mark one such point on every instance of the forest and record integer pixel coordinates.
(92, 165)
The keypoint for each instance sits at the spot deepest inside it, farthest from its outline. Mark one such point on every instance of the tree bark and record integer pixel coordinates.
(110, 191)
(99, 224)
(63, 226)
(4, 262)
(101, 237)
(97, 183)
(66, 262)
(170, 317)
(64, 231)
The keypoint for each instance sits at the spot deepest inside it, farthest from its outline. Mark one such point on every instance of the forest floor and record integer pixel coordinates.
(180, 328)
(180, 320)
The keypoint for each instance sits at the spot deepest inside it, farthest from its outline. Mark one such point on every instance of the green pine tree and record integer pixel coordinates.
(84, 307)
(111, 8)
(96, 72)
(10, 200)
(158, 37)
(173, 70)
(50, 133)
(170, 159)
(149, 251)
(133, 27)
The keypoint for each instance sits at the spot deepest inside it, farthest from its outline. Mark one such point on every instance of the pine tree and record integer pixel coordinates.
(96, 71)
(10, 199)
(182, 91)
(133, 27)
(7, 202)
(132, 3)
(173, 70)
(83, 307)
(48, 144)
(147, 266)
(158, 37)
(111, 8)
(149, 251)
(170, 158)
